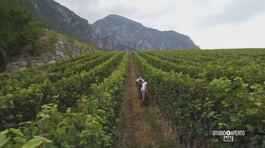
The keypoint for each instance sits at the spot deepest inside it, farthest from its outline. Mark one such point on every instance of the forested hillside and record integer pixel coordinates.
(18, 30)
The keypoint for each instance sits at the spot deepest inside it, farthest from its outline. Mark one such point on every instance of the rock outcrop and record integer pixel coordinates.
(117, 32)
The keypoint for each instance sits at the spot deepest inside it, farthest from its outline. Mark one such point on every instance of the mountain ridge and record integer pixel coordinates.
(110, 33)
(56, 16)
(137, 36)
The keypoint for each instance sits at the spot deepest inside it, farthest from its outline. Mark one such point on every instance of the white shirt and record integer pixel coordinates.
(144, 86)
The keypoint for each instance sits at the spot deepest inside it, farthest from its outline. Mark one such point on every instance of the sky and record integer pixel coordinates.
(209, 23)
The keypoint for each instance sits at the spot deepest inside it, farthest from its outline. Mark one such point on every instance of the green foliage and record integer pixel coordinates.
(18, 28)
(75, 103)
(88, 122)
(3, 60)
(198, 103)
(38, 141)
(30, 94)
(15, 138)
(248, 64)
(9, 135)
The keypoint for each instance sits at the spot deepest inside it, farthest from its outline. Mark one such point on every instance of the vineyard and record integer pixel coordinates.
(77, 103)
(211, 90)
(68, 104)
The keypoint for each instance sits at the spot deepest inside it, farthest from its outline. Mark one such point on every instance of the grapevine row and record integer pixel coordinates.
(196, 107)
(26, 103)
(90, 124)
(16, 81)
(251, 74)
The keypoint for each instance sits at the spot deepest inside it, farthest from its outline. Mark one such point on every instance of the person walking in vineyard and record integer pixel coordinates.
(144, 92)
(139, 82)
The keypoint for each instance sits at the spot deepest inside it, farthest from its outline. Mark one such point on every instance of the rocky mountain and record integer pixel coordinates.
(111, 33)
(55, 16)
(117, 32)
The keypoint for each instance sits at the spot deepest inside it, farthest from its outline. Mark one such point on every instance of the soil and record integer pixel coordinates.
(141, 126)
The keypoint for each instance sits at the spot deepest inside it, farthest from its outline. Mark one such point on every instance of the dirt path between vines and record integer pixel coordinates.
(141, 127)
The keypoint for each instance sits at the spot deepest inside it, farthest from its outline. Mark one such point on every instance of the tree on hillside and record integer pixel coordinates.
(18, 27)
(3, 60)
